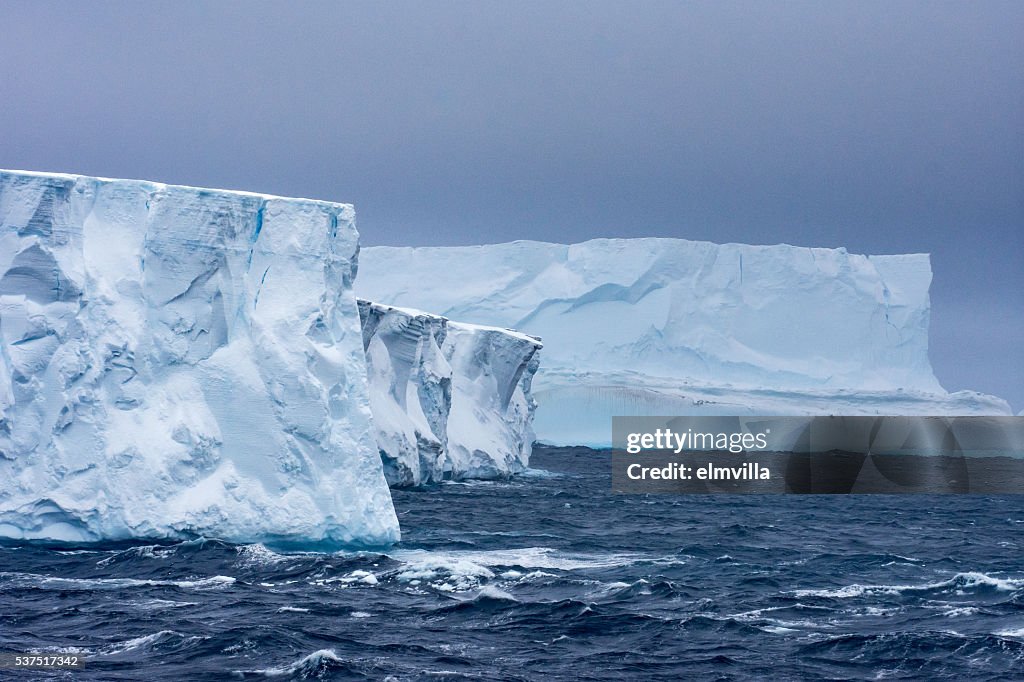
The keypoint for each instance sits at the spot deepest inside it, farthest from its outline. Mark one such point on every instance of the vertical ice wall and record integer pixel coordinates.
(490, 427)
(178, 361)
(410, 391)
(449, 400)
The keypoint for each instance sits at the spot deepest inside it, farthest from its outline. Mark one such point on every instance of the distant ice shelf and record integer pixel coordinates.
(671, 326)
(449, 400)
(180, 362)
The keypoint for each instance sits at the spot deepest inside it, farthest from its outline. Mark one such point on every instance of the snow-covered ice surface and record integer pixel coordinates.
(449, 400)
(179, 362)
(670, 326)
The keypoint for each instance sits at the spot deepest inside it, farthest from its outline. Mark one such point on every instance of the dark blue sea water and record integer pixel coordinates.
(551, 576)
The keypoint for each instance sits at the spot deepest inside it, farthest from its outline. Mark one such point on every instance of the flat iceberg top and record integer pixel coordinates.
(180, 362)
(413, 312)
(153, 186)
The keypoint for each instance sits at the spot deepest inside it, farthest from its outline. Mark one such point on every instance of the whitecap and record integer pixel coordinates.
(460, 570)
(257, 555)
(156, 604)
(213, 582)
(876, 611)
(959, 582)
(540, 473)
(307, 664)
(65, 650)
(1016, 634)
(361, 577)
(774, 625)
(776, 629)
(492, 592)
(443, 572)
(560, 638)
(141, 552)
(364, 577)
(526, 557)
(48, 582)
(148, 642)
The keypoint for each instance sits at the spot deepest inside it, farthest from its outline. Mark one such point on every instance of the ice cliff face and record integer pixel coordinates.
(178, 361)
(670, 326)
(449, 400)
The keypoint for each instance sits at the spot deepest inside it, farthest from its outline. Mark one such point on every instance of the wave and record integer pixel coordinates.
(462, 570)
(925, 650)
(259, 556)
(490, 592)
(540, 473)
(526, 557)
(443, 571)
(21, 580)
(142, 552)
(158, 604)
(959, 583)
(1017, 633)
(315, 665)
(642, 588)
(157, 640)
(157, 551)
(355, 577)
(163, 641)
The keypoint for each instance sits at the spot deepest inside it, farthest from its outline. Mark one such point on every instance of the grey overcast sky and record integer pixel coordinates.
(885, 127)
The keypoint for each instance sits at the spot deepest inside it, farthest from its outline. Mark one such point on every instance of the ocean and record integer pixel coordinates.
(550, 575)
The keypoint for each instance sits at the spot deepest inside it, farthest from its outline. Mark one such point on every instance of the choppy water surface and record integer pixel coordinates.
(550, 575)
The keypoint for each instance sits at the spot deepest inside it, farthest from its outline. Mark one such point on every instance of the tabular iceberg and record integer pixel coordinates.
(670, 326)
(180, 361)
(449, 400)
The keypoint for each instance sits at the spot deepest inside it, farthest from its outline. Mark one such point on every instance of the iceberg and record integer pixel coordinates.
(178, 362)
(449, 400)
(671, 326)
